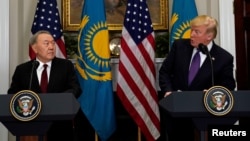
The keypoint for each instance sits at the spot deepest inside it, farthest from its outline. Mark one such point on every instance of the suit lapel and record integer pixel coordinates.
(53, 74)
(186, 62)
(35, 83)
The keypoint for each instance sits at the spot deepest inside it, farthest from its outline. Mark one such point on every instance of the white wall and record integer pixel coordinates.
(226, 18)
(4, 53)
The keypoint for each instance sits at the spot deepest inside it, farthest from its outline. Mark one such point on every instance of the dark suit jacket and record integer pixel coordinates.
(62, 78)
(173, 74)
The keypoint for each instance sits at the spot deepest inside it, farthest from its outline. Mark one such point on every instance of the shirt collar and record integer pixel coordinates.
(209, 46)
(41, 63)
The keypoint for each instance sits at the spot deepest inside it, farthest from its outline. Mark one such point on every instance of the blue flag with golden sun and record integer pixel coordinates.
(94, 70)
(183, 11)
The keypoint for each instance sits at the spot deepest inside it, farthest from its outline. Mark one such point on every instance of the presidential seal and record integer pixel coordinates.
(25, 105)
(218, 100)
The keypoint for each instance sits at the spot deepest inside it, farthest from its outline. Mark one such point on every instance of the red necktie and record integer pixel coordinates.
(44, 79)
(195, 66)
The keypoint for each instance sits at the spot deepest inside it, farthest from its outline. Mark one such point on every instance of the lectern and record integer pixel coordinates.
(190, 104)
(55, 106)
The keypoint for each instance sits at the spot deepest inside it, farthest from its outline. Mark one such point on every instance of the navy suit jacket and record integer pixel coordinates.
(62, 78)
(173, 74)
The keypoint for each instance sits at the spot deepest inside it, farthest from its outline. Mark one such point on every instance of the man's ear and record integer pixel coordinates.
(34, 48)
(210, 36)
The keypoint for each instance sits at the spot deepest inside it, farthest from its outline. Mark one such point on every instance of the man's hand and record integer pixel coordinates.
(167, 94)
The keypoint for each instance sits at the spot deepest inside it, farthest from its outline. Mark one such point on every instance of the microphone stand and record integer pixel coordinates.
(34, 65)
(212, 68)
(204, 50)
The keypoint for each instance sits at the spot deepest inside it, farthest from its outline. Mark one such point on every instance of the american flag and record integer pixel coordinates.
(47, 18)
(136, 84)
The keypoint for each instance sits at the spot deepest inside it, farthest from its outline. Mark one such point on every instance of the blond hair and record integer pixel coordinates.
(207, 21)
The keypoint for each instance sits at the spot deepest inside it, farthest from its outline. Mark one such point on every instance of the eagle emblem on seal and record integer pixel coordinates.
(218, 101)
(26, 106)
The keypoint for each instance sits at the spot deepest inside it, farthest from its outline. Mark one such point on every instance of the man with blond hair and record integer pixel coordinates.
(175, 72)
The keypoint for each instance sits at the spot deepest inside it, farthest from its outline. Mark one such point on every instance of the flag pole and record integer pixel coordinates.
(139, 134)
(96, 137)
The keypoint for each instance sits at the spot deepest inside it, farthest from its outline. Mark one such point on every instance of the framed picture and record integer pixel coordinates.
(115, 11)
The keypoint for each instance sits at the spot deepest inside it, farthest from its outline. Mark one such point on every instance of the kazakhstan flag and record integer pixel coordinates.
(183, 11)
(94, 70)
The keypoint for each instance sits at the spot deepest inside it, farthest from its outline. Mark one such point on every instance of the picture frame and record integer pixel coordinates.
(72, 10)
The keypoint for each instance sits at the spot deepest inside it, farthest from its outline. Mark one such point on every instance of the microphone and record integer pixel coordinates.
(35, 64)
(203, 48)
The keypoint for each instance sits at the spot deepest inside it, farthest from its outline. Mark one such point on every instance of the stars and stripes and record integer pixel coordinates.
(136, 85)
